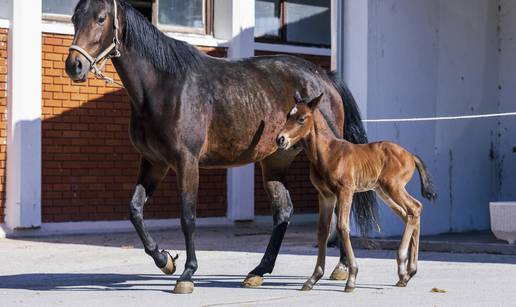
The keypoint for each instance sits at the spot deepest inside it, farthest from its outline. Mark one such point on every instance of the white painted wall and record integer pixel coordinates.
(23, 194)
(405, 58)
(240, 180)
(504, 177)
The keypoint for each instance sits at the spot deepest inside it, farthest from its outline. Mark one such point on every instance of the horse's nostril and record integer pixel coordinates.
(78, 66)
(280, 140)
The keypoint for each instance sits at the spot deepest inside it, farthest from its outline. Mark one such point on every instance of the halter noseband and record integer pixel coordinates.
(110, 52)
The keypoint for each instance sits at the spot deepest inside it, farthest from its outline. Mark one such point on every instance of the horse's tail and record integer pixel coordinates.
(427, 188)
(365, 206)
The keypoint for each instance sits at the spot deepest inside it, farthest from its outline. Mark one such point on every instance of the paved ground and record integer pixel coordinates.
(112, 270)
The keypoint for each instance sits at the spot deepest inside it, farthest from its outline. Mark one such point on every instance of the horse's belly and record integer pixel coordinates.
(234, 156)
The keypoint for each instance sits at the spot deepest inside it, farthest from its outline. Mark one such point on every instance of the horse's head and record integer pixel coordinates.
(299, 122)
(96, 32)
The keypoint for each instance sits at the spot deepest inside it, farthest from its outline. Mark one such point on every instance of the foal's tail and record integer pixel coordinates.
(427, 188)
(365, 206)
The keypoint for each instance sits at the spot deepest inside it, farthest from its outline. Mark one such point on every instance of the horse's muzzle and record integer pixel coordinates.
(77, 67)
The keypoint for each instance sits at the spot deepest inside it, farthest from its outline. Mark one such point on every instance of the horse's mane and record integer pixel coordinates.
(165, 53)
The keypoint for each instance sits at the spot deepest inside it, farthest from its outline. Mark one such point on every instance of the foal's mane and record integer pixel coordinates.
(165, 53)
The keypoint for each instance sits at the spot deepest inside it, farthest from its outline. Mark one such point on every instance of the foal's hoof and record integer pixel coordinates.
(183, 287)
(307, 287)
(401, 283)
(252, 281)
(349, 289)
(339, 273)
(170, 267)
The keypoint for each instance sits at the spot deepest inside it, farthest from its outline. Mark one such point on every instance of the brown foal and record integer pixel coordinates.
(338, 169)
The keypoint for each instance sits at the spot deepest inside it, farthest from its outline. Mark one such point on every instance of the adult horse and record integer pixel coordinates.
(191, 111)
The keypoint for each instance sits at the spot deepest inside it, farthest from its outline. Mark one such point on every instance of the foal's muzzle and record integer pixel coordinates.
(77, 67)
(282, 142)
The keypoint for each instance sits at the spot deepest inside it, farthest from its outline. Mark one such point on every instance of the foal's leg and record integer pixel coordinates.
(274, 172)
(187, 173)
(414, 249)
(326, 206)
(344, 202)
(340, 272)
(149, 176)
(413, 209)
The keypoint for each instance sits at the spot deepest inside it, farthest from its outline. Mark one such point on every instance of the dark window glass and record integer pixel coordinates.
(308, 22)
(267, 22)
(305, 22)
(183, 13)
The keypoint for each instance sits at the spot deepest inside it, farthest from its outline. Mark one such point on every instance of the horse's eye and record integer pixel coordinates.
(301, 120)
(101, 20)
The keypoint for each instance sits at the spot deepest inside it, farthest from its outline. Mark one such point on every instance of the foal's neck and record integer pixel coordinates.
(319, 140)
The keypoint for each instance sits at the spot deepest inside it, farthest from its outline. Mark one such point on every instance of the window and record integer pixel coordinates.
(59, 9)
(174, 15)
(4, 9)
(304, 22)
(185, 15)
(63, 9)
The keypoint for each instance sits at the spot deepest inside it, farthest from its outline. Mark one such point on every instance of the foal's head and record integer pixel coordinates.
(93, 21)
(300, 121)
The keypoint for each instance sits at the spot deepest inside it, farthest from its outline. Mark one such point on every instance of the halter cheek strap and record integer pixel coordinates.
(110, 52)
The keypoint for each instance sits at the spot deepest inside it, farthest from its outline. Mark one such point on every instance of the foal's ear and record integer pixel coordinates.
(297, 98)
(314, 103)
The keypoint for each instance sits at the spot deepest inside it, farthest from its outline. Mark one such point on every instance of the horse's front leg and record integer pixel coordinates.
(187, 173)
(149, 177)
(274, 172)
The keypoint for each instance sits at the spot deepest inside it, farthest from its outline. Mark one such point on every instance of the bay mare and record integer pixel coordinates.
(191, 111)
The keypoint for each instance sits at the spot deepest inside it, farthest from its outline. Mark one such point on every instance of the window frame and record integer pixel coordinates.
(56, 17)
(207, 29)
(207, 16)
(282, 38)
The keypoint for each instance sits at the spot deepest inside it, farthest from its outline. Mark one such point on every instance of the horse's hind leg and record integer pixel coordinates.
(413, 209)
(414, 242)
(149, 177)
(326, 205)
(414, 249)
(274, 172)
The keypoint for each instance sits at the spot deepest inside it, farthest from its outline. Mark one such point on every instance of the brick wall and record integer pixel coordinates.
(3, 117)
(89, 165)
(303, 194)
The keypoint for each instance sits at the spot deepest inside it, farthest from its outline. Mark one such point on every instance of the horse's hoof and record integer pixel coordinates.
(183, 287)
(306, 287)
(170, 267)
(349, 289)
(252, 281)
(401, 283)
(339, 273)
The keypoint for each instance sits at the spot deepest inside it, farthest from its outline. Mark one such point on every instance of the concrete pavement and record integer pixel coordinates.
(112, 270)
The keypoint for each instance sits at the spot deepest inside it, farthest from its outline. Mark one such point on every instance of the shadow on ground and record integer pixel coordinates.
(149, 282)
(252, 238)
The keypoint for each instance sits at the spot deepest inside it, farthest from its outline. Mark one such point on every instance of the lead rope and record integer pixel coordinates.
(105, 55)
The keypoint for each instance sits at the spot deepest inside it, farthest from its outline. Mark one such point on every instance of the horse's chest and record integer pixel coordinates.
(149, 141)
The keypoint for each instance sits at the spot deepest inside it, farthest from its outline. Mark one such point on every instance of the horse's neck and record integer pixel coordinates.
(138, 76)
(317, 142)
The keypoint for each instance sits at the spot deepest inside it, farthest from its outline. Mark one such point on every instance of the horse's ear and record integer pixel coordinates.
(314, 103)
(297, 98)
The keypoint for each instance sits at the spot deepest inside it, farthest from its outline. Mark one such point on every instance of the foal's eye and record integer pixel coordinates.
(101, 20)
(301, 120)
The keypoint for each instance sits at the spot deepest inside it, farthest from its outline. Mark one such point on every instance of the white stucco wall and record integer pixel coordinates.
(505, 175)
(441, 58)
